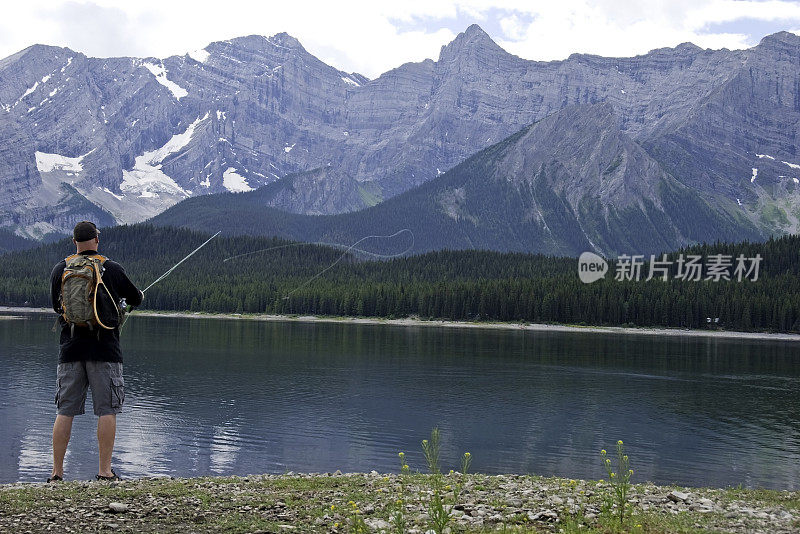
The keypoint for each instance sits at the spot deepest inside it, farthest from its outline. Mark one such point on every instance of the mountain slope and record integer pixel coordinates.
(137, 135)
(739, 146)
(569, 183)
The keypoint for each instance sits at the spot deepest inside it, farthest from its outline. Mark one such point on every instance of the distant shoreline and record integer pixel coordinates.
(534, 327)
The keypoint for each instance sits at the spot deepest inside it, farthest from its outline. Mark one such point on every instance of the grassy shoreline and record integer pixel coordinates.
(441, 323)
(350, 502)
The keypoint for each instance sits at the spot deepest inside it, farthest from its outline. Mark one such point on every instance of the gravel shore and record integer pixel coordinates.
(335, 502)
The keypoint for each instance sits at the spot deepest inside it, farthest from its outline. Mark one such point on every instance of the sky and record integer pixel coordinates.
(373, 36)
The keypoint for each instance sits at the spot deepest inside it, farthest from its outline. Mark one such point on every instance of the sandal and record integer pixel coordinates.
(112, 478)
(55, 478)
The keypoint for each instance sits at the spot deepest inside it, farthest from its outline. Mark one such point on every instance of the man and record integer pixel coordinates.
(89, 357)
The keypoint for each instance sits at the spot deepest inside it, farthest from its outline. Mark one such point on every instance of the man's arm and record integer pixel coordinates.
(123, 286)
(55, 286)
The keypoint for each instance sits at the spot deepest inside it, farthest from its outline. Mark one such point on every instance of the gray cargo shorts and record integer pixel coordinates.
(74, 379)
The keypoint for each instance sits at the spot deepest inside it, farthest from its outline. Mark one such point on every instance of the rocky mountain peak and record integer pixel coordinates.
(785, 42)
(688, 47)
(472, 39)
(286, 40)
(280, 43)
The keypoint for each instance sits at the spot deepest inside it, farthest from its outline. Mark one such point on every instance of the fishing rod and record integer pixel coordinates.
(347, 249)
(167, 273)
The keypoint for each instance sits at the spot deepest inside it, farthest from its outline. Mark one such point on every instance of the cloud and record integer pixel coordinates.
(371, 37)
(96, 30)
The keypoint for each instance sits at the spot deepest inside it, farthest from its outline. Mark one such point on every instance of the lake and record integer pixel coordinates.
(226, 396)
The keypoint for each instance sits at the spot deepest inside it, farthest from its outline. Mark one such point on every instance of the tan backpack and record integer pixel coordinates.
(85, 299)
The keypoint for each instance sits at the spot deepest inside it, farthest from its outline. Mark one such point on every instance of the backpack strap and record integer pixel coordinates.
(97, 258)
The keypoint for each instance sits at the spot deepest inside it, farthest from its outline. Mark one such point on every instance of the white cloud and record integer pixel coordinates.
(625, 28)
(372, 37)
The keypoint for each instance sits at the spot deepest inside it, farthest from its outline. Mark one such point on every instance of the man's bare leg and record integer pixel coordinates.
(106, 432)
(62, 429)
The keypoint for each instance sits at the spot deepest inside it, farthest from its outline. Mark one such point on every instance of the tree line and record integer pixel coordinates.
(458, 285)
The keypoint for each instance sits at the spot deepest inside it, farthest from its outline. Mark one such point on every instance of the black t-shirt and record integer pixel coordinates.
(95, 344)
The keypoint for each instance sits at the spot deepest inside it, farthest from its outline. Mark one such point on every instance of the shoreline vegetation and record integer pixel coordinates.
(372, 502)
(414, 321)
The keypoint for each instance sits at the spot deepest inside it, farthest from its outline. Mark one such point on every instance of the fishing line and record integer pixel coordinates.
(347, 249)
(333, 245)
(169, 271)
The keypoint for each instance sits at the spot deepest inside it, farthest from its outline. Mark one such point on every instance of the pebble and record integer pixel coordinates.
(547, 515)
(677, 496)
(118, 507)
(377, 524)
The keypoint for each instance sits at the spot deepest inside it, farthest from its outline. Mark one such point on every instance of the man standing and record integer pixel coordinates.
(90, 354)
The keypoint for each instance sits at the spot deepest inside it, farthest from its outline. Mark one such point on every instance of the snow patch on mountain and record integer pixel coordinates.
(762, 156)
(146, 178)
(792, 165)
(755, 174)
(234, 182)
(200, 56)
(55, 162)
(113, 194)
(351, 81)
(160, 74)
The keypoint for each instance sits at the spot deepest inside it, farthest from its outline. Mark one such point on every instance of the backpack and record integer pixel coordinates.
(85, 299)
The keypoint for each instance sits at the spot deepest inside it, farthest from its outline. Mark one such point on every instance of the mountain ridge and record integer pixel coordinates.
(136, 135)
(535, 191)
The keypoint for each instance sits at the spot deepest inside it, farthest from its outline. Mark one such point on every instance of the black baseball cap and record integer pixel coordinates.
(84, 231)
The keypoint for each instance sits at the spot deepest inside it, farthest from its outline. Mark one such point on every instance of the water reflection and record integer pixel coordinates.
(225, 396)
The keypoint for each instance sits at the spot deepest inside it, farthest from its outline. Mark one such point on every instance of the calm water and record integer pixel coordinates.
(236, 397)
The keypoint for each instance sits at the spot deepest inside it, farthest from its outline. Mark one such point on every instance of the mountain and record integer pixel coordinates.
(132, 137)
(569, 183)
